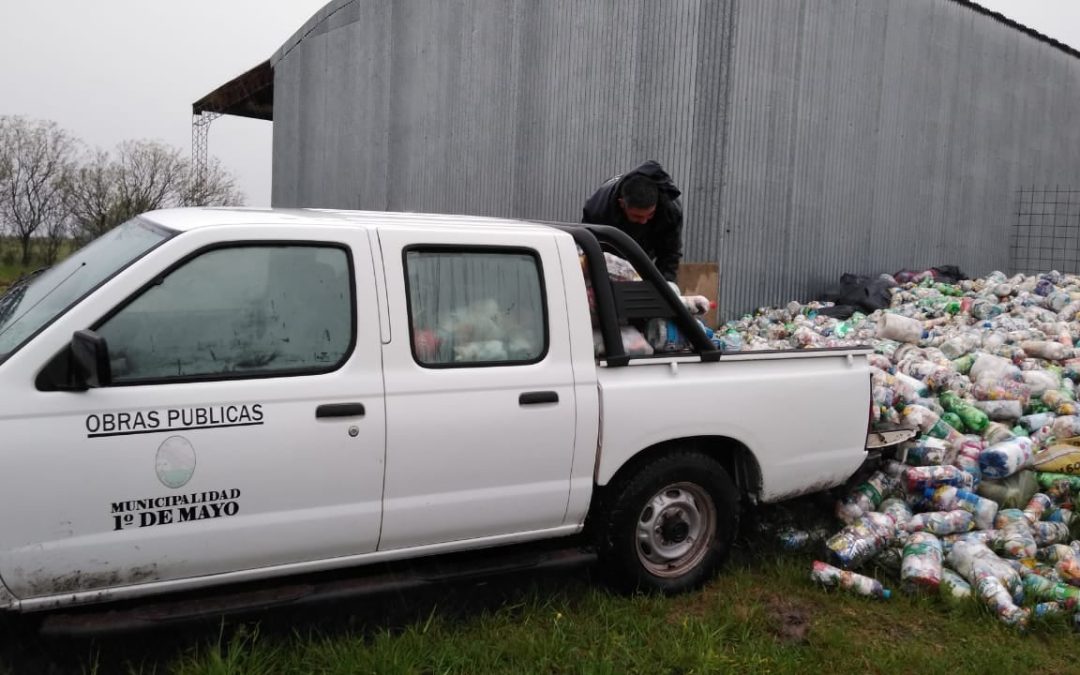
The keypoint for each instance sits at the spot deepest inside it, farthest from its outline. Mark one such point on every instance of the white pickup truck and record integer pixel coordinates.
(209, 396)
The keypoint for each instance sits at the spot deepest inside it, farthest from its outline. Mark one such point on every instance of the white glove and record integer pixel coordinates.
(674, 287)
(696, 304)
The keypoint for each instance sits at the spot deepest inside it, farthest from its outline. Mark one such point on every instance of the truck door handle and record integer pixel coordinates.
(536, 397)
(340, 410)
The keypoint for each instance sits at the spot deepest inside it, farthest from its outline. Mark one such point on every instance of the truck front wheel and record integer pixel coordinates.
(669, 525)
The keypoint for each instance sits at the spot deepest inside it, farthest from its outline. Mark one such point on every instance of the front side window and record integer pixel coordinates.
(476, 307)
(243, 311)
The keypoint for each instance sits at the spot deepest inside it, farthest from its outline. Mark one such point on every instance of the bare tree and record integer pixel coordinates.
(216, 188)
(37, 159)
(141, 176)
(92, 197)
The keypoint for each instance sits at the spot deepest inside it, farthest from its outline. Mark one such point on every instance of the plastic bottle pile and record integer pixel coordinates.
(982, 504)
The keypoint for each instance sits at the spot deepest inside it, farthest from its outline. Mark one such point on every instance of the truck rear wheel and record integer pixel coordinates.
(669, 525)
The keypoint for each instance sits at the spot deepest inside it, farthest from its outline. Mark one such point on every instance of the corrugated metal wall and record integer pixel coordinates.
(810, 138)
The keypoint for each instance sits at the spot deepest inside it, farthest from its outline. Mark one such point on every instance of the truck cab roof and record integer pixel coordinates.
(185, 219)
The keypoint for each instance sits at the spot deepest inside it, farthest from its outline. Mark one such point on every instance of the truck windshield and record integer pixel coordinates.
(37, 299)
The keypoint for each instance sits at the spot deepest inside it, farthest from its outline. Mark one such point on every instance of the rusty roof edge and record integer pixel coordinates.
(236, 91)
(1041, 37)
(310, 26)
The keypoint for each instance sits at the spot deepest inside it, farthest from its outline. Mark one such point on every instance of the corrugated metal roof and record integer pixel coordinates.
(319, 21)
(810, 138)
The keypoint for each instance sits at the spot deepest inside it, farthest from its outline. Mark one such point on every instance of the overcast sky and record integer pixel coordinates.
(111, 70)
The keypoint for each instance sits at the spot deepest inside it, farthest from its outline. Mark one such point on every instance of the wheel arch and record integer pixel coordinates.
(737, 459)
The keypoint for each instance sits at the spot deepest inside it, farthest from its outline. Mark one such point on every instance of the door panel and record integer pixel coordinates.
(180, 471)
(471, 451)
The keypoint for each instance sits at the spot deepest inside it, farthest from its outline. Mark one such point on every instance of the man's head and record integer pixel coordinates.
(637, 197)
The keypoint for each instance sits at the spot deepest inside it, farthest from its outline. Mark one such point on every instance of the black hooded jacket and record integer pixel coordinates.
(661, 237)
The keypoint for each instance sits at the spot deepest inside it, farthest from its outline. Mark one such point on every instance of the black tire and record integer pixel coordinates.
(666, 502)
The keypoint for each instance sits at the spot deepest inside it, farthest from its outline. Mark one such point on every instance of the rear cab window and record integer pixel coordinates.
(475, 306)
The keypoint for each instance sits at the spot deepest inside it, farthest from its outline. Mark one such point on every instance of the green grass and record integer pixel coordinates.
(740, 623)
(762, 616)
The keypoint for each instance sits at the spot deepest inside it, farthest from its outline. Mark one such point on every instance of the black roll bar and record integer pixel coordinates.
(615, 354)
(589, 238)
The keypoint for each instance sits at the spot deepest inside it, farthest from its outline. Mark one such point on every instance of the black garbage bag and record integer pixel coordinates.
(858, 293)
(948, 274)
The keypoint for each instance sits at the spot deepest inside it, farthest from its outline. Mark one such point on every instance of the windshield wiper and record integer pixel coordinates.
(11, 297)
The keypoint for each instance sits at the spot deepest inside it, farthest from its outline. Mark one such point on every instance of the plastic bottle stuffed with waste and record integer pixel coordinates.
(953, 585)
(970, 466)
(791, 539)
(927, 452)
(1041, 381)
(1066, 426)
(989, 538)
(963, 364)
(732, 341)
(949, 498)
(832, 577)
(921, 567)
(973, 560)
(973, 418)
(861, 540)
(1060, 402)
(1041, 588)
(1069, 569)
(1050, 481)
(1051, 351)
(917, 478)
(1017, 540)
(899, 328)
(1044, 609)
(958, 346)
(1071, 369)
(941, 522)
(1062, 515)
(908, 388)
(996, 597)
(865, 497)
(1040, 420)
(996, 432)
(898, 510)
(1037, 506)
(1001, 411)
(1001, 390)
(953, 420)
(993, 368)
(1055, 553)
(891, 559)
(1005, 458)
(1046, 533)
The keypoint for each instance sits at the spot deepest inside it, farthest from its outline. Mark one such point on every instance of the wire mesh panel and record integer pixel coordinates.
(1047, 232)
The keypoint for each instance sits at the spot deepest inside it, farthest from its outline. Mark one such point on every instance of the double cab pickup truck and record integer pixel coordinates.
(208, 396)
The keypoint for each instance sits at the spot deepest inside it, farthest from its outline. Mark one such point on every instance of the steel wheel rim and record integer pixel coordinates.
(675, 529)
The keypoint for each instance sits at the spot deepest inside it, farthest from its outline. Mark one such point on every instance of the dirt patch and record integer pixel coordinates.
(690, 606)
(789, 619)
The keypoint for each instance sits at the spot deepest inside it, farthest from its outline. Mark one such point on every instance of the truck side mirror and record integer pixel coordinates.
(90, 359)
